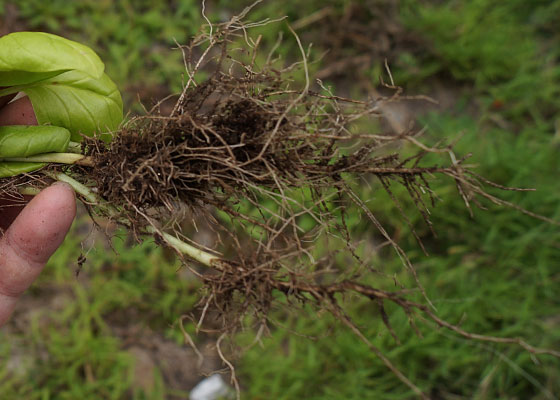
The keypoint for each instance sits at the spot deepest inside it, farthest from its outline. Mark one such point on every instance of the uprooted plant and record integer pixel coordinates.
(252, 155)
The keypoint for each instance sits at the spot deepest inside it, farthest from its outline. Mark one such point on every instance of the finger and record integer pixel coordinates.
(31, 239)
(19, 112)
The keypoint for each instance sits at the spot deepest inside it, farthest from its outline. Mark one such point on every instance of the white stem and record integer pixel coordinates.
(199, 255)
(185, 248)
(77, 186)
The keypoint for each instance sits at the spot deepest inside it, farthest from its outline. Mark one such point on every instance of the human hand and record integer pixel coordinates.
(31, 233)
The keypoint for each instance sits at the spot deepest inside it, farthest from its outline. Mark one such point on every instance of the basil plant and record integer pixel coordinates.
(69, 90)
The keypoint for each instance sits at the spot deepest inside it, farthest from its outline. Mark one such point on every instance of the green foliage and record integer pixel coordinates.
(24, 141)
(64, 81)
(473, 40)
(80, 104)
(28, 57)
(68, 89)
(506, 50)
(133, 38)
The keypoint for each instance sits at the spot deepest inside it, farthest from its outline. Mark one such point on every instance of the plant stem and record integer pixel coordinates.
(28, 191)
(77, 186)
(201, 256)
(74, 147)
(59, 158)
(184, 248)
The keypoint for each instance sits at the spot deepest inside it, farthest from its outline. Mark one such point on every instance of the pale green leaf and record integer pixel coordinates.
(78, 103)
(25, 141)
(15, 168)
(42, 54)
(14, 78)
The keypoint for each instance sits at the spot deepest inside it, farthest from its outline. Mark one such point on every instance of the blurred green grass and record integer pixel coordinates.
(495, 274)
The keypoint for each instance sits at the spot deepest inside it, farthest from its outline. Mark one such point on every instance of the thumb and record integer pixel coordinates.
(31, 239)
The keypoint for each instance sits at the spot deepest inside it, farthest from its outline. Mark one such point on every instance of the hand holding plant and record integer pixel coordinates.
(68, 95)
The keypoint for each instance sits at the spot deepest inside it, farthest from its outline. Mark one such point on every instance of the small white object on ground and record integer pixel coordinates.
(211, 388)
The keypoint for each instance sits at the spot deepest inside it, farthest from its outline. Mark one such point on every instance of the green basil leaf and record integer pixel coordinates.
(77, 102)
(25, 141)
(14, 78)
(41, 55)
(15, 168)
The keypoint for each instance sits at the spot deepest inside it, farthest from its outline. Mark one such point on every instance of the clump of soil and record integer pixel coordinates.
(207, 152)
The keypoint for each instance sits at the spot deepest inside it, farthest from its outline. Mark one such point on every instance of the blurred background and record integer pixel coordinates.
(112, 332)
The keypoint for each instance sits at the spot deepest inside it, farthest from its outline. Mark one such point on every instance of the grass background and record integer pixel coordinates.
(495, 65)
